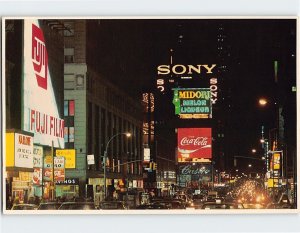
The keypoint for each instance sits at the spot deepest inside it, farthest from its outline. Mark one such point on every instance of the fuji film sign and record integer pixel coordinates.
(194, 143)
(40, 113)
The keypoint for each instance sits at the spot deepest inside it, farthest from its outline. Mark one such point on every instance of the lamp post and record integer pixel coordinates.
(105, 157)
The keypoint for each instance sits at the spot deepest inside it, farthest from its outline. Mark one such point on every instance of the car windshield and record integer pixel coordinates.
(111, 205)
(24, 207)
(77, 206)
(52, 206)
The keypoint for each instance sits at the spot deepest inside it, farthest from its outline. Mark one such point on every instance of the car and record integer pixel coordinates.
(279, 206)
(112, 205)
(253, 206)
(217, 205)
(152, 206)
(171, 204)
(24, 207)
(49, 206)
(77, 206)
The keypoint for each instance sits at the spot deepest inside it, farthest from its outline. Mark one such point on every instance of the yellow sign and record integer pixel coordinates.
(276, 161)
(70, 157)
(273, 182)
(10, 150)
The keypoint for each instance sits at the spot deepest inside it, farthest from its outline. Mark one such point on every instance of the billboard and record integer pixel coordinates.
(194, 143)
(70, 157)
(40, 114)
(194, 175)
(192, 103)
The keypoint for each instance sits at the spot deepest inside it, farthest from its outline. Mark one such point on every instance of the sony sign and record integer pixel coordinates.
(185, 69)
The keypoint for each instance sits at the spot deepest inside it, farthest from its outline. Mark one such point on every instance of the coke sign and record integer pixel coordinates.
(194, 143)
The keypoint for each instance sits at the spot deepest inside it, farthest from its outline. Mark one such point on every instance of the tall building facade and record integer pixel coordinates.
(98, 114)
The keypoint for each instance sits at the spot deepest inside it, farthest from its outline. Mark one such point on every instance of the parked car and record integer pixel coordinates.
(171, 204)
(215, 205)
(152, 206)
(112, 205)
(77, 206)
(49, 206)
(24, 207)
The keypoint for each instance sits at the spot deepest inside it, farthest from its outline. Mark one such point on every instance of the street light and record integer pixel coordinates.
(127, 134)
(262, 102)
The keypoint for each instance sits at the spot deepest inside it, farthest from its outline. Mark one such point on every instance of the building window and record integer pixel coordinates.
(69, 113)
(69, 31)
(69, 82)
(69, 55)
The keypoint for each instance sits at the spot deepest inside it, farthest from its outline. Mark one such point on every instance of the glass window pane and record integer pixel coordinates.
(71, 134)
(66, 134)
(71, 108)
(66, 107)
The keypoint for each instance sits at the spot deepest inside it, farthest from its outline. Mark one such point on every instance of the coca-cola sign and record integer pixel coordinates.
(194, 143)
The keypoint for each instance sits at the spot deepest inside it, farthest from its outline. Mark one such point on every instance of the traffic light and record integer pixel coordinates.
(154, 166)
(150, 165)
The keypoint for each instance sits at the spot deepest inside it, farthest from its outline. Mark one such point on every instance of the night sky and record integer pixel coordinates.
(129, 51)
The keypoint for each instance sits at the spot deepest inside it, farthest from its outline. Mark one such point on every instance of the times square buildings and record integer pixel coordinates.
(79, 114)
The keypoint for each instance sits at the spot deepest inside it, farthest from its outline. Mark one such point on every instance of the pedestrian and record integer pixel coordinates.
(115, 195)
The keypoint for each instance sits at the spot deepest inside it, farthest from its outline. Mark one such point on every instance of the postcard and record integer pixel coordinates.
(149, 115)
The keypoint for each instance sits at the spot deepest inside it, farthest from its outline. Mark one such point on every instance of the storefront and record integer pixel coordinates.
(19, 166)
(67, 189)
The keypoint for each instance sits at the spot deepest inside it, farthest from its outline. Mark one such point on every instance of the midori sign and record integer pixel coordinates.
(192, 103)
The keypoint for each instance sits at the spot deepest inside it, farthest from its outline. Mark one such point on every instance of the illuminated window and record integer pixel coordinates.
(69, 113)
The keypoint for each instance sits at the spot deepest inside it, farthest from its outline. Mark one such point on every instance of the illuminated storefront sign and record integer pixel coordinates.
(59, 168)
(47, 171)
(70, 157)
(37, 165)
(185, 69)
(194, 143)
(192, 103)
(193, 176)
(40, 110)
(23, 151)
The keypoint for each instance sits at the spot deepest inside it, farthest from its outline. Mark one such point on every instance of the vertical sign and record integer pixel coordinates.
(37, 165)
(48, 165)
(59, 169)
(40, 113)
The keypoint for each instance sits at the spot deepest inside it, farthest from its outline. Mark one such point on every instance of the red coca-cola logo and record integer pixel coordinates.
(194, 143)
(199, 141)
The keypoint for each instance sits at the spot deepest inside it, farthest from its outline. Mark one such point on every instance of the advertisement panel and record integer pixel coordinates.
(39, 115)
(194, 143)
(48, 172)
(59, 168)
(146, 154)
(69, 155)
(23, 151)
(192, 103)
(37, 176)
(194, 175)
(37, 156)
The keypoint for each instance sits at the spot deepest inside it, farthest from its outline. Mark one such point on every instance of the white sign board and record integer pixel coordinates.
(90, 159)
(23, 151)
(146, 154)
(37, 156)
